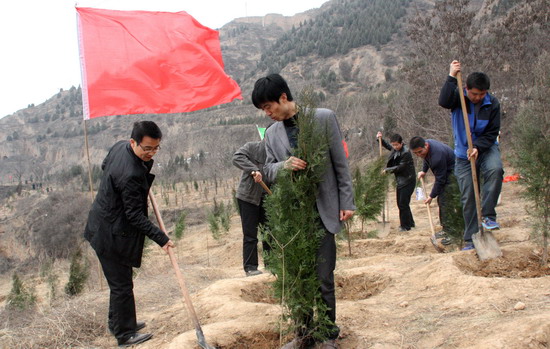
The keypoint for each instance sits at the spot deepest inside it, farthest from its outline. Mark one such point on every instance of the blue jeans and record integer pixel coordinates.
(490, 175)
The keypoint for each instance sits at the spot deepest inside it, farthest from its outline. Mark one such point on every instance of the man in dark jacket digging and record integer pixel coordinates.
(400, 163)
(118, 222)
(438, 157)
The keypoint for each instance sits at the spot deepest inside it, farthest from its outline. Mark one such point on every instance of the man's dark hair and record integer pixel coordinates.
(478, 80)
(417, 142)
(396, 138)
(145, 128)
(270, 89)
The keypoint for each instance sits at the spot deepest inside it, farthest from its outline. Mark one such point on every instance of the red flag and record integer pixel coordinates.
(139, 62)
(345, 148)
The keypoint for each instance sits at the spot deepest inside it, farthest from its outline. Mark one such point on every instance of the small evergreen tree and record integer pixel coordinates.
(78, 274)
(295, 229)
(454, 220)
(219, 219)
(532, 159)
(20, 297)
(370, 190)
(180, 225)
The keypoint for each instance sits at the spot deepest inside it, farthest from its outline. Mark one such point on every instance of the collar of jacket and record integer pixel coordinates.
(148, 164)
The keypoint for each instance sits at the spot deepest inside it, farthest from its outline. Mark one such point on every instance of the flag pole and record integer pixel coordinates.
(91, 194)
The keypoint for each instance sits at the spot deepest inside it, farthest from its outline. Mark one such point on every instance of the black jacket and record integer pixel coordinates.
(118, 221)
(401, 164)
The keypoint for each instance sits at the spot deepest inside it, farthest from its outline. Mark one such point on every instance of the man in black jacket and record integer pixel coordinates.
(118, 222)
(400, 163)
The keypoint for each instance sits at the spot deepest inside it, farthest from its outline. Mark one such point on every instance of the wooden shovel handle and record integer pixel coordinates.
(470, 148)
(428, 207)
(179, 276)
(267, 190)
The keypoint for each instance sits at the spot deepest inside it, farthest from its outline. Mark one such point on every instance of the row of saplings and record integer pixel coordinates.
(22, 296)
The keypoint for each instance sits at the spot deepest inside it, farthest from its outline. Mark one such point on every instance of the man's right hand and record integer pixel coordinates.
(454, 68)
(379, 134)
(421, 174)
(167, 245)
(295, 164)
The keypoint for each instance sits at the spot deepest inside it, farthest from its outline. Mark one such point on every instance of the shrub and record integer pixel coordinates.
(20, 296)
(532, 158)
(180, 225)
(78, 275)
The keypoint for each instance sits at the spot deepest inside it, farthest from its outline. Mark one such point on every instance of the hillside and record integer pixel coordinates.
(42, 142)
(392, 292)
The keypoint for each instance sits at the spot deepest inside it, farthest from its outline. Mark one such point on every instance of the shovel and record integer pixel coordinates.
(185, 293)
(383, 227)
(433, 239)
(484, 242)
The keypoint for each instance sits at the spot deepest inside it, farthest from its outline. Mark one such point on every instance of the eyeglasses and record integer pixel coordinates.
(150, 149)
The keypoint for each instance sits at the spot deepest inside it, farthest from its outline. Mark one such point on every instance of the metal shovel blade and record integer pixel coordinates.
(202, 341)
(486, 245)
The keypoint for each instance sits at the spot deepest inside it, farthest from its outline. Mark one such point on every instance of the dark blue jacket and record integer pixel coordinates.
(441, 161)
(484, 127)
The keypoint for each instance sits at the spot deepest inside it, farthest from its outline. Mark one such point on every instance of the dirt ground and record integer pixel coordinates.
(392, 292)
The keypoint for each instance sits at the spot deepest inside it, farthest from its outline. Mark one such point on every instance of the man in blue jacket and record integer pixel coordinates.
(118, 222)
(484, 123)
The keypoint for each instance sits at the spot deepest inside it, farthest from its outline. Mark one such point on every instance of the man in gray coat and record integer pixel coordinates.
(335, 192)
(251, 158)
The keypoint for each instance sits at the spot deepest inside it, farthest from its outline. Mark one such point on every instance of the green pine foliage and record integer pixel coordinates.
(370, 190)
(295, 230)
(78, 275)
(180, 225)
(532, 155)
(454, 220)
(20, 296)
(345, 25)
(219, 219)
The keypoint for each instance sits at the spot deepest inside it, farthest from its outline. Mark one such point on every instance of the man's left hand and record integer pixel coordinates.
(473, 153)
(428, 200)
(167, 245)
(346, 214)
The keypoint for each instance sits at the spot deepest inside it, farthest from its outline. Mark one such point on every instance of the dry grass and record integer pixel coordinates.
(72, 324)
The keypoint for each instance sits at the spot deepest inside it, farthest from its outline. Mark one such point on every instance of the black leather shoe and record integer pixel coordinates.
(137, 338)
(139, 326)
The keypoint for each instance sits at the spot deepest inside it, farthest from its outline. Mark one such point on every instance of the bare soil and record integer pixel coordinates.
(392, 292)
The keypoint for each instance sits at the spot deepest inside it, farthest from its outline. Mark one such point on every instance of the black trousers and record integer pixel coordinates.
(122, 306)
(251, 217)
(326, 263)
(404, 194)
